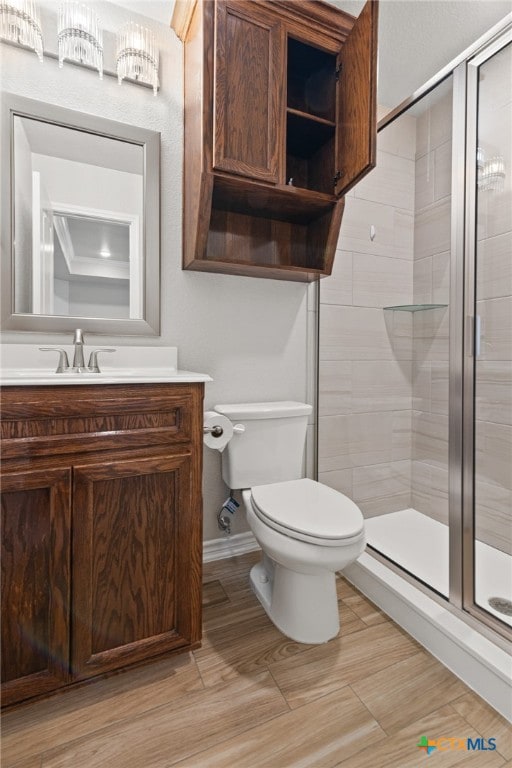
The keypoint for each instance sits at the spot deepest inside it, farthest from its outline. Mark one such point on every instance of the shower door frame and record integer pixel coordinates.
(461, 409)
(465, 590)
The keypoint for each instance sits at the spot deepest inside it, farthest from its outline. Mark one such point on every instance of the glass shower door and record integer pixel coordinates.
(490, 79)
(415, 340)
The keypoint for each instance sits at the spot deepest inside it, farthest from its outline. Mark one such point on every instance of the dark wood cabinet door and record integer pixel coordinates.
(35, 582)
(249, 107)
(356, 121)
(136, 561)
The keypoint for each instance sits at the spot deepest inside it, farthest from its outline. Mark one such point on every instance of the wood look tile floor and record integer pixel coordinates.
(252, 698)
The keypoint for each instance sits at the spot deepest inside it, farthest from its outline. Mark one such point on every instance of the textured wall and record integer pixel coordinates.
(249, 334)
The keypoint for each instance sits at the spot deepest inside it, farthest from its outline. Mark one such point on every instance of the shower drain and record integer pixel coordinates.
(501, 604)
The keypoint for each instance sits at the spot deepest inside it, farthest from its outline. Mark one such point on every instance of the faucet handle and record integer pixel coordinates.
(63, 358)
(93, 359)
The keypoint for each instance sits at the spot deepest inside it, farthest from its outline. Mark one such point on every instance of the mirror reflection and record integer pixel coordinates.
(78, 223)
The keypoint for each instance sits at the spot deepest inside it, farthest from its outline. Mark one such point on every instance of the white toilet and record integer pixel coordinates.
(306, 530)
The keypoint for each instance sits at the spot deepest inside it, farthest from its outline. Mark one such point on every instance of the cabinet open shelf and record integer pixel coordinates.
(310, 117)
(311, 80)
(286, 234)
(280, 123)
(310, 153)
(305, 137)
(285, 203)
(415, 307)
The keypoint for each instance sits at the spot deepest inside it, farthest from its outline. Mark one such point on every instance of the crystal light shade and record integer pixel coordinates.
(490, 173)
(493, 176)
(80, 37)
(20, 23)
(137, 55)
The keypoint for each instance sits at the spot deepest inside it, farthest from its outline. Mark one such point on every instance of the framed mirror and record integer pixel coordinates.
(80, 222)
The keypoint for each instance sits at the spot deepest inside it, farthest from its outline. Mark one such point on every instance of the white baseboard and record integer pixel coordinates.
(481, 664)
(229, 546)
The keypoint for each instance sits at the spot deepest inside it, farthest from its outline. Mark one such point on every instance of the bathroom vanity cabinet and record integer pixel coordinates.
(280, 122)
(101, 529)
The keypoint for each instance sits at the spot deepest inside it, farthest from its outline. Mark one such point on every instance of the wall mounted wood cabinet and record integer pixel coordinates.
(101, 530)
(280, 122)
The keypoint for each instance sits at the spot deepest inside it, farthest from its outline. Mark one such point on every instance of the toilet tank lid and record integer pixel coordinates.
(280, 409)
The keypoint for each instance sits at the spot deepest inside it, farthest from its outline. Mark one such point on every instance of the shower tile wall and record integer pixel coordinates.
(366, 353)
(432, 230)
(383, 375)
(493, 385)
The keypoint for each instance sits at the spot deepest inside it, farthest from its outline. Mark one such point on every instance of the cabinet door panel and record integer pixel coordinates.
(132, 538)
(248, 93)
(356, 124)
(35, 582)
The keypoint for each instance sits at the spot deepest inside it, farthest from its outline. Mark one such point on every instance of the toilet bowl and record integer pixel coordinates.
(307, 533)
(306, 530)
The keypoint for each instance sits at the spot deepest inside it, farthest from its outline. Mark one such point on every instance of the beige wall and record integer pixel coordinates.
(249, 334)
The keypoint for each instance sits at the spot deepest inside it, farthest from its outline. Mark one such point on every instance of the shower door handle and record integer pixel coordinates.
(478, 331)
(474, 327)
(473, 335)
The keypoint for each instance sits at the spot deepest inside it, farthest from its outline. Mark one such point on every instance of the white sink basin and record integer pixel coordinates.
(36, 377)
(157, 364)
(37, 373)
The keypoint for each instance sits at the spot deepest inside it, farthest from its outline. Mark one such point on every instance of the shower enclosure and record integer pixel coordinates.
(415, 340)
(486, 586)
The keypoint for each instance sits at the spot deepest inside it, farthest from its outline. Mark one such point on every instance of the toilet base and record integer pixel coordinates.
(304, 607)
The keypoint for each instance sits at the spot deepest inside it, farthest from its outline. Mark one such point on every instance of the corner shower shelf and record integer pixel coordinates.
(415, 307)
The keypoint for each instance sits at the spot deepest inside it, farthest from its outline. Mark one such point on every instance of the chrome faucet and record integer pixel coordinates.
(78, 357)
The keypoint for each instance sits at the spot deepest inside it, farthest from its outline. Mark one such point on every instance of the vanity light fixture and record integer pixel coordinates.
(20, 23)
(137, 55)
(80, 37)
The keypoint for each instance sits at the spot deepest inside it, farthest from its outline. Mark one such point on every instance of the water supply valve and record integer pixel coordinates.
(224, 520)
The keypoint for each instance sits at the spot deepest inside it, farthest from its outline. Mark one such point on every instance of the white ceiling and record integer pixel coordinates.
(417, 38)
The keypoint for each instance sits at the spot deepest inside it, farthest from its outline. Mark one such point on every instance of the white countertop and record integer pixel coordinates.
(35, 377)
(25, 365)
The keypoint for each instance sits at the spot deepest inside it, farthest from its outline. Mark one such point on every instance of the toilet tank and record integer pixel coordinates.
(271, 449)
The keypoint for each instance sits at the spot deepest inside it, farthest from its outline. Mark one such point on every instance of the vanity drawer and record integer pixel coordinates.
(39, 421)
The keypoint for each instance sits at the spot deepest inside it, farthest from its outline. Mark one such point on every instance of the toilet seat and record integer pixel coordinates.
(308, 511)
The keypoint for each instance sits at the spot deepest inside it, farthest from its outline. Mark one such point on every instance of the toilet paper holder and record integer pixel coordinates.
(217, 431)
(214, 431)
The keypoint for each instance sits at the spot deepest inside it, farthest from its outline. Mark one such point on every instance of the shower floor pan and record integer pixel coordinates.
(419, 544)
